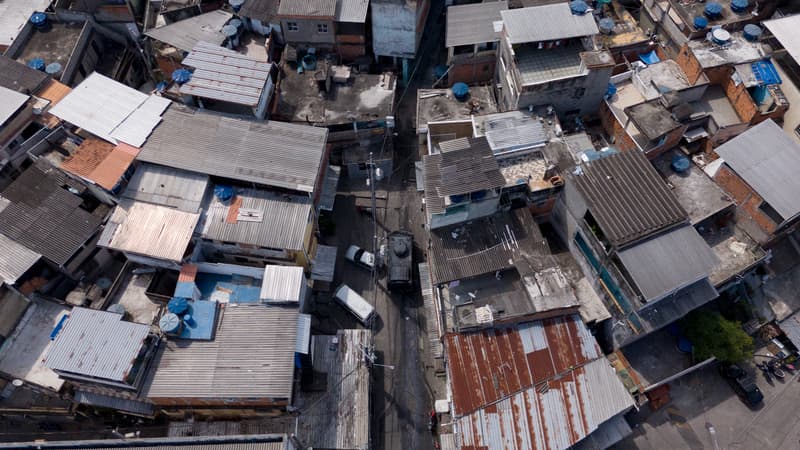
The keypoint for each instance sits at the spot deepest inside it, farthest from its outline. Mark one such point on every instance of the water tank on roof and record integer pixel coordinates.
(39, 21)
(224, 192)
(181, 76)
(232, 34)
(720, 36)
(53, 69)
(189, 320)
(236, 23)
(116, 308)
(680, 163)
(606, 25)
(309, 62)
(739, 6)
(700, 22)
(170, 324)
(713, 10)
(578, 7)
(37, 64)
(611, 91)
(236, 5)
(178, 306)
(460, 91)
(752, 32)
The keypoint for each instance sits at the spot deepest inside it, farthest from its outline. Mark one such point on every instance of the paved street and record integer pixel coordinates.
(703, 398)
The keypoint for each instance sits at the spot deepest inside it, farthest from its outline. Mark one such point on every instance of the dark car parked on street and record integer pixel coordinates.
(399, 260)
(743, 383)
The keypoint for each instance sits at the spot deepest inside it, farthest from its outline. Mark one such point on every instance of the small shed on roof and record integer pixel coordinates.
(473, 24)
(768, 161)
(283, 285)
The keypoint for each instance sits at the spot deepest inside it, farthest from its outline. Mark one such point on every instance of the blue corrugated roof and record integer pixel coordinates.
(765, 72)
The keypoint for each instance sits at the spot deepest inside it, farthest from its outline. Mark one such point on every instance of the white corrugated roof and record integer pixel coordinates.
(785, 31)
(185, 34)
(97, 344)
(15, 259)
(546, 23)
(352, 11)
(303, 340)
(226, 75)
(149, 230)
(111, 111)
(13, 16)
(282, 284)
(10, 103)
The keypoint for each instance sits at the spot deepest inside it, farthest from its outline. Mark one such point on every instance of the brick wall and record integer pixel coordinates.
(740, 99)
(622, 141)
(745, 197)
(689, 64)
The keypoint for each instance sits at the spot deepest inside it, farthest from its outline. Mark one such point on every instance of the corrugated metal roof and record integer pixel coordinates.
(273, 220)
(668, 262)
(99, 162)
(627, 197)
(352, 11)
(110, 110)
(223, 74)
(282, 284)
(269, 153)
(15, 259)
(19, 77)
(473, 24)
(238, 442)
(150, 230)
(546, 23)
(329, 188)
(166, 186)
(314, 8)
(185, 34)
(303, 340)
(483, 246)
(338, 417)
(14, 14)
(46, 218)
(791, 326)
(465, 165)
(97, 344)
(110, 401)
(324, 264)
(543, 384)
(261, 10)
(431, 311)
(769, 161)
(251, 356)
(785, 31)
(523, 136)
(10, 102)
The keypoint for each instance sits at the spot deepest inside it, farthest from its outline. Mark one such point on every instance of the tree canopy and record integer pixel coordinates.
(713, 335)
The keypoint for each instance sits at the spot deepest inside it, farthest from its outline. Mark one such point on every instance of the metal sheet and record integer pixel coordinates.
(473, 24)
(136, 127)
(97, 344)
(352, 11)
(283, 284)
(203, 442)
(10, 102)
(14, 14)
(15, 259)
(185, 34)
(329, 188)
(166, 186)
(303, 340)
(785, 31)
(768, 160)
(546, 23)
(315, 8)
(324, 264)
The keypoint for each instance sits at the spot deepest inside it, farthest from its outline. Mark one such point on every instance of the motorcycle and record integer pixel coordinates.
(776, 370)
(765, 371)
(434, 420)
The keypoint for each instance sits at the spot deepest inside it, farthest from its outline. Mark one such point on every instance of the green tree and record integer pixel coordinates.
(713, 335)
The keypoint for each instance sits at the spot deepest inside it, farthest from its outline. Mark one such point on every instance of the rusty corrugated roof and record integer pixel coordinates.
(99, 162)
(542, 384)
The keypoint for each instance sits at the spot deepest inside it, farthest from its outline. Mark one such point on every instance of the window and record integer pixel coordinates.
(770, 212)
(292, 26)
(322, 28)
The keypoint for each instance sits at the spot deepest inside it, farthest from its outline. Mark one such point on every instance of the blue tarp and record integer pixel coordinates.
(649, 57)
(765, 72)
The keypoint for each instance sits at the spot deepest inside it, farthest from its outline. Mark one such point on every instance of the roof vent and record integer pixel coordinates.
(578, 7)
(720, 36)
(713, 10)
(181, 76)
(739, 6)
(700, 22)
(606, 25)
(37, 64)
(752, 32)
(460, 91)
(170, 324)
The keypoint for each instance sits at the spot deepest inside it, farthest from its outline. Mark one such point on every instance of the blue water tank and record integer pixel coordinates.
(39, 21)
(578, 7)
(752, 32)
(713, 10)
(37, 63)
(700, 22)
(178, 306)
(680, 163)
(309, 62)
(606, 25)
(224, 192)
(181, 76)
(170, 323)
(684, 345)
(189, 320)
(53, 69)
(739, 6)
(611, 90)
(460, 91)
(236, 5)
